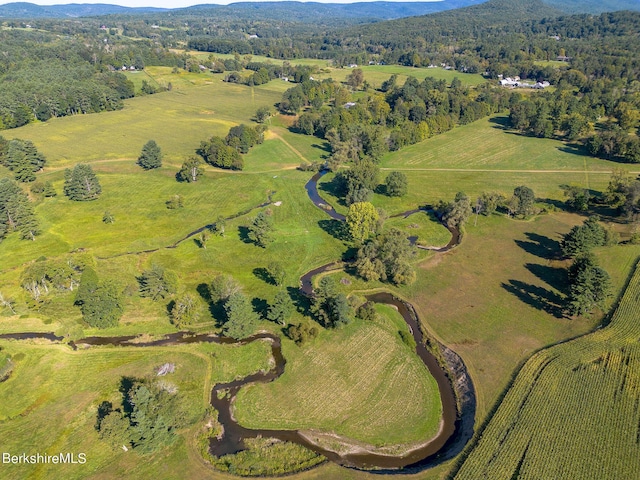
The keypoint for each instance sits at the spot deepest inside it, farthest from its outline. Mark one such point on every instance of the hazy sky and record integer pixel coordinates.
(169, 3)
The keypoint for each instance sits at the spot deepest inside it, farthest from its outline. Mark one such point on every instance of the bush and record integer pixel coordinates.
(407, 339)
(301, 333)
(367, 311)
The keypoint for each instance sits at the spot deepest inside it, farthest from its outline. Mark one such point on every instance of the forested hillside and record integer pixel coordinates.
(593, 6)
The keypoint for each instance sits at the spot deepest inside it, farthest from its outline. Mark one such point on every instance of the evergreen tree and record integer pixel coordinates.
(583, 238)
(81, 184)
(260, 230)
(151, 156)
(157, 283)
(157, 413)
(329, 307)
(281, 308)
(49, 191)
(22, 170)
(108, 217)
(23, 158)
(25, 217)
(16, 211)
(241, 319)
(589, 285)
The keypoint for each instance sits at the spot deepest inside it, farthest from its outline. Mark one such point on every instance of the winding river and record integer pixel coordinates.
(458, 405)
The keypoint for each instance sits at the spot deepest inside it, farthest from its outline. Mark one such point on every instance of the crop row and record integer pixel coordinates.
(573, 410)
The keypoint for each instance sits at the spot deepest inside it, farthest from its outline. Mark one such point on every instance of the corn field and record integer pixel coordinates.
(573, 410)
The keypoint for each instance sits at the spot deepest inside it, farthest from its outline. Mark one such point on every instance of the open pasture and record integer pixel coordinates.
(572, 410)
(177, 120)
(497, 298)
(349, 382)
(488, 144)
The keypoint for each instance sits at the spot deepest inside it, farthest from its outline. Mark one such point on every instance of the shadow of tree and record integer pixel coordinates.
(126, 384)
(262, 274)
(243, 232)
(540, 246)
(216, 309)
(334, 188)
(260, 306)
(335, 228)
(555, 277)
(104, 409)
(381, 189)
(324, 146)
(575, 149)
(538, 297)
(500, 122)
(301, 302)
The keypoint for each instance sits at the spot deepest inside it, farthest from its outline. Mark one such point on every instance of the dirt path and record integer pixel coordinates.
(291, 147)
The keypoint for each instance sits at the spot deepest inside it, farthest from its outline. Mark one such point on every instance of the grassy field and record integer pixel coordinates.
(374, 74)
(45, 386)
(495, 299)
(346, 381)
(495, 148)
(425, 226)
(178, 120)
(592, 429)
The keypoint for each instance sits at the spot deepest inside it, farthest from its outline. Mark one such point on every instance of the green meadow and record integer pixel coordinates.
(494, 299)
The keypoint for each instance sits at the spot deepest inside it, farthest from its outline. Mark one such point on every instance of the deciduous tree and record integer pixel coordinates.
(396, 184)
(191, 170)
(362, 220)
(185, 310)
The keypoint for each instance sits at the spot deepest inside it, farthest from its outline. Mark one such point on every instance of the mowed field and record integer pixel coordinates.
(360, 381)
(573, 409)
